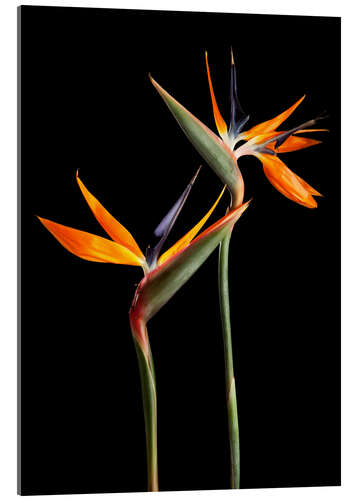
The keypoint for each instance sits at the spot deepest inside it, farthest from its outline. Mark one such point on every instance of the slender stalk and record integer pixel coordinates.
(228, 360)
(148, 388)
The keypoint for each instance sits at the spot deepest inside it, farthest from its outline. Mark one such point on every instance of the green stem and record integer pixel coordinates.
(148, 388)
(228, 360)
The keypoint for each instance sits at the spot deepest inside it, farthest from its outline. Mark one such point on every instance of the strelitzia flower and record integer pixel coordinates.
(264, 142)
(122, 248)
(163, 276)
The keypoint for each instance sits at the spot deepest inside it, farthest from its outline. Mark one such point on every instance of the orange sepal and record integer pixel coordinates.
(271, 125)
(188, 237)
(220, 123)
(88, 246)
(293, 143)
(115, 230)
(288, 183)
(309, 188)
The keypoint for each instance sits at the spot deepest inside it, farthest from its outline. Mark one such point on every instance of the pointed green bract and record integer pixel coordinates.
(162, 283)
(218, 156)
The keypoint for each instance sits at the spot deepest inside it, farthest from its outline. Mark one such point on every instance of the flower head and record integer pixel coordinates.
(265, 142)
(122, 248)
(164, 274)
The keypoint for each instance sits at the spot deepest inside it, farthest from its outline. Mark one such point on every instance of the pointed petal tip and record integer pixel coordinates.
(298, 102)
(43, 220)
(220, 123)
(79, 182)
(316, 193)
(243, 207)
(111, 226)
(232, 58)
(247, 203)
(196, 174)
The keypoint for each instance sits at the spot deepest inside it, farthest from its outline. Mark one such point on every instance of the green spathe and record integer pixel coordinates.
(160, 285)
(218, 156)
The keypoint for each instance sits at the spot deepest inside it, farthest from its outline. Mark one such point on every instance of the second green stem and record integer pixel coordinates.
(148, 386)
(228, 360)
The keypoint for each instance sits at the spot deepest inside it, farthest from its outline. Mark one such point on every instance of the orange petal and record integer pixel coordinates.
(115, 230)
(185, 240)
(288, 183)
(271, 125)
(293, 143)
(88, 246)
(308, 188)
(220, 123)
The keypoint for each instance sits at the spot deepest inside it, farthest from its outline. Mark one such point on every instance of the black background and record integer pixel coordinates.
(87, 103)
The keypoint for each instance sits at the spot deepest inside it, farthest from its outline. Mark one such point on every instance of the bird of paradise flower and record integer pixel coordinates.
(163, 276)
(265, 142)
